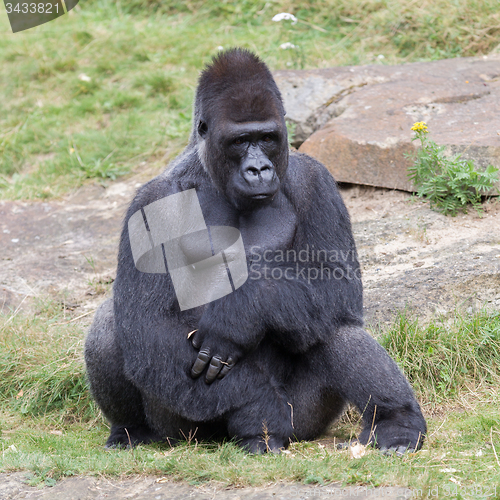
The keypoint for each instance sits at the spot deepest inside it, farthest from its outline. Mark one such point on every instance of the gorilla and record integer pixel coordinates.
(237, 305)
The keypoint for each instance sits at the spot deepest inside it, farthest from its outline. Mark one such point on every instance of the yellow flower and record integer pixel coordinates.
(419, 127)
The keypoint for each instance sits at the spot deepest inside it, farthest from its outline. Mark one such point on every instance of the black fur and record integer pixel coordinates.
(298, 344)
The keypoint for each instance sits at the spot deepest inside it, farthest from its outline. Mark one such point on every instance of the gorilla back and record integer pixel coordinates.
(238, 301)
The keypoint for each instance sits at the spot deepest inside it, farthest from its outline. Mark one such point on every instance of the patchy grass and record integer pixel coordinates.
(449, 356)
(51, 428)
(107, 88)
(41, 367)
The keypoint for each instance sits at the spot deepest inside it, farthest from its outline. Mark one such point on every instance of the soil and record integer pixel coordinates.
(411, 256)
(415, 258)
(13, 487)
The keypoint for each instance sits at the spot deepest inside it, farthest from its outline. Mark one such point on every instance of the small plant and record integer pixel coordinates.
(450, 184)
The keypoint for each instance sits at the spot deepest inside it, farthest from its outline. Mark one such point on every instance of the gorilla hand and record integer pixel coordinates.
(219, 359)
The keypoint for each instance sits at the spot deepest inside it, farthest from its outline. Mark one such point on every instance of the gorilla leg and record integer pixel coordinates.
(119, 400)
(264, 422)
(259, 415)
(248, 405)
(363, 373)
(313, 402)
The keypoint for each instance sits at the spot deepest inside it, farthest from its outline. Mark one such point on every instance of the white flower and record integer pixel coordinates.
(287, 45)
(84, 78)
(220, 47)
(285, 16)
(357, 450)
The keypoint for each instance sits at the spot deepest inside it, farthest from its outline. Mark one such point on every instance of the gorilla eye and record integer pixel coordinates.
(202, 128)
(267, 138)
(238, 141)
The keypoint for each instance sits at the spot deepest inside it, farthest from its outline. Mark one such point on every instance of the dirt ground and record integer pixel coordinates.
(417, 258)
(13, 487)
(411, 257)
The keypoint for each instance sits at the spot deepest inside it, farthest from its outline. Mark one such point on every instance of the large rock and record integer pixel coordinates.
(360, 117)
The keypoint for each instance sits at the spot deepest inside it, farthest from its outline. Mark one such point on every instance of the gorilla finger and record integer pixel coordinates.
(226, 367)
(401, 450)
(200, 363)
(213, 369)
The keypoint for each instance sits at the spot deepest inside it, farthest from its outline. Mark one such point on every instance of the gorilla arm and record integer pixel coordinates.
(301, 307)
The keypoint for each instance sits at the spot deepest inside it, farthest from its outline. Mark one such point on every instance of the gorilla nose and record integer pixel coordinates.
(258, 174)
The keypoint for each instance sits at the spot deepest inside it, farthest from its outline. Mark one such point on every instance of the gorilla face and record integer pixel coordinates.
(246, 160)
(240, 130)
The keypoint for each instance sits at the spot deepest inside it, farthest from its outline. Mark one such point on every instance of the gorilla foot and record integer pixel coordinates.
(259, 445)
(399, 451)
(130, 436)
(392, 437)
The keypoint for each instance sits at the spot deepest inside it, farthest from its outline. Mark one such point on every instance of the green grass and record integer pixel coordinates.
(447, 356)
(52, 429)
(58, 130)
(41, 367)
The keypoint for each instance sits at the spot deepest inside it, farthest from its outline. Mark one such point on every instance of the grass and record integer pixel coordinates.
(107, 89)
(51, 428)
(446, 356)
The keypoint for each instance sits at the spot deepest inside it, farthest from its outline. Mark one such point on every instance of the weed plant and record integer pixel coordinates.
(449, 183)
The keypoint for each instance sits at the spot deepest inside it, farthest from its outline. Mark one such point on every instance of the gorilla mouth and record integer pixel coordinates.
(261, 196)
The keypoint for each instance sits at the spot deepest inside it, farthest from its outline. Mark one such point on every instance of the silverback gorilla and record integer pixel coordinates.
(277, 357)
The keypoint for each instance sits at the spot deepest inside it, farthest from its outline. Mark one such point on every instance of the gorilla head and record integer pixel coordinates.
(239, 128)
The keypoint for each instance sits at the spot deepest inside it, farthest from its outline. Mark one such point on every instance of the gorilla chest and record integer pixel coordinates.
(270, 227)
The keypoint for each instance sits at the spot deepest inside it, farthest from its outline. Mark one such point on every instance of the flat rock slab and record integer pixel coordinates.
(360, 117)
(13, 486)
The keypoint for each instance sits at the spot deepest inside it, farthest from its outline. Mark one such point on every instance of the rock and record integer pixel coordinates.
(361, 116)
(313, 97)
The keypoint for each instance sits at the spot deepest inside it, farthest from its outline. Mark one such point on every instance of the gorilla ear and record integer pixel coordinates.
(202, 128)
